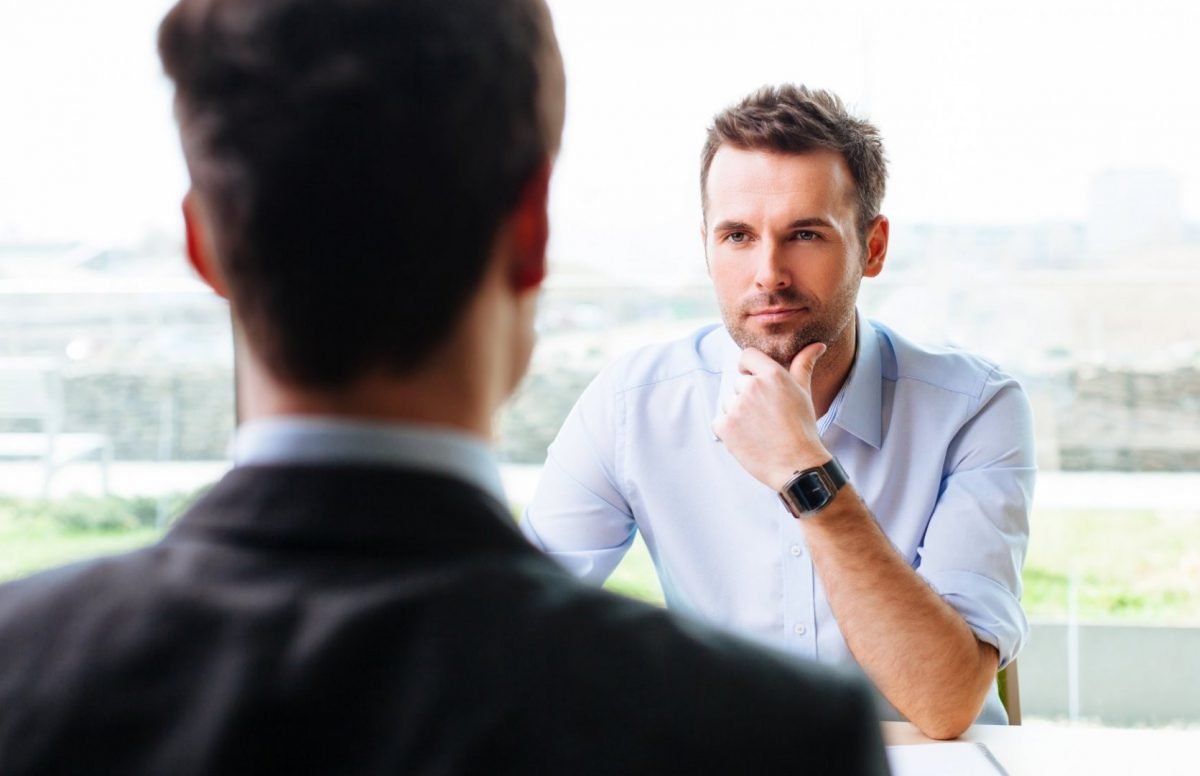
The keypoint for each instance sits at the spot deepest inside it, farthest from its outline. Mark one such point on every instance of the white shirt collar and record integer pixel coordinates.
(329, 440)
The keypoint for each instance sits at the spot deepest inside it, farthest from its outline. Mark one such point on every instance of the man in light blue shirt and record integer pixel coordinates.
(723, 449)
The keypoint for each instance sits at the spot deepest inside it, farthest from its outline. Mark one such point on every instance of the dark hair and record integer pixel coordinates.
(793, 119)
(355, 159)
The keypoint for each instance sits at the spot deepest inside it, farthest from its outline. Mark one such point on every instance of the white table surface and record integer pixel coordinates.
(1037, 750)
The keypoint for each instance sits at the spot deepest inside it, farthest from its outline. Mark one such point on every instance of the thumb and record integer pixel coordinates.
(805, 361)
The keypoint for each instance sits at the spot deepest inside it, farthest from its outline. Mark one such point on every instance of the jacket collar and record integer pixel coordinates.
(374, 508)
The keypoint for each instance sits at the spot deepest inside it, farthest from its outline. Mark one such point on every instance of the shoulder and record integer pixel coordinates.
(667, 676)
(940, 369)
(46, 618)
(59, 591)
(694, 355)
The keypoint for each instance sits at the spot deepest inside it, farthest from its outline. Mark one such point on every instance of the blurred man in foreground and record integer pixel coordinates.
(369, 190)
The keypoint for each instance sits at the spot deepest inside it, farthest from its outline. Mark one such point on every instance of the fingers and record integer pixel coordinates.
(741, 384)
(805, 361)
(755, 362)
(756, 367)
(727, 402)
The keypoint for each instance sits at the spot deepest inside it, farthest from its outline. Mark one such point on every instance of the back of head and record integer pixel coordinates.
(791, 119)
(354, 159)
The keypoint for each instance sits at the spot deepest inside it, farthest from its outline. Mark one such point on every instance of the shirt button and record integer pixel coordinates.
(797, 550)
(800, 629)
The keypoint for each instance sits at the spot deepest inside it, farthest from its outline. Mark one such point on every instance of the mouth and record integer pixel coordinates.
(774, 314)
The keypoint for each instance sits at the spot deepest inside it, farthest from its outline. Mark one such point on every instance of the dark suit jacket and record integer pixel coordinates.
(363, 619)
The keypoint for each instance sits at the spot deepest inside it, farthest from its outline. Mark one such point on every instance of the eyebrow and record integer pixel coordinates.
(807, 223)
(799, 223)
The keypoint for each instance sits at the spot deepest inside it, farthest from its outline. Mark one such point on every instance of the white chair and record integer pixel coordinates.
(1010, 692)
(31, 402)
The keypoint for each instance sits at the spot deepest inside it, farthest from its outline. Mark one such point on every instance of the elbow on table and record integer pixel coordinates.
(959, 708)
(951, 718)
(945, 726)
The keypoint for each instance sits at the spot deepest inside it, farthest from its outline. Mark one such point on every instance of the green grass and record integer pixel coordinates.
(1142, 566)
(1126, 566)
(635, 577)
(30, 548)
(37, 534)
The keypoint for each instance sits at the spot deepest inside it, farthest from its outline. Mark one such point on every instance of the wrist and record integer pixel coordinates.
(784, 474)
(810, 490)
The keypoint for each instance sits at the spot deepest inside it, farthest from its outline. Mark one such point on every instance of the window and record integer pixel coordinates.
(1045, 202)
(116, 394)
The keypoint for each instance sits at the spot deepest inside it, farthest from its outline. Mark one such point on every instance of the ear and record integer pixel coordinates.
(704, 245)
(877, 245)
(199, 247)
(531, 231)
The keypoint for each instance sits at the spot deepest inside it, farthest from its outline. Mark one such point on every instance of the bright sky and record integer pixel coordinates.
(991, 113)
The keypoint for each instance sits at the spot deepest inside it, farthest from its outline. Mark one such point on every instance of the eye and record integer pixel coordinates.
(737, 237)
(806, 236)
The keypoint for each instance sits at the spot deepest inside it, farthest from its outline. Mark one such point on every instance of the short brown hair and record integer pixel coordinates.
(355, 159)
(791, 119)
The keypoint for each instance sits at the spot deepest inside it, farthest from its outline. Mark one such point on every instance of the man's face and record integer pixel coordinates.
(781, 242)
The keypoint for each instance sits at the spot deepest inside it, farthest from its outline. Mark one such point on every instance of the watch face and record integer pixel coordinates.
(811, 490)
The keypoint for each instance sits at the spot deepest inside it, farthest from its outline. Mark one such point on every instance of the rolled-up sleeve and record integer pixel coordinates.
(578, 514)
(975, 542)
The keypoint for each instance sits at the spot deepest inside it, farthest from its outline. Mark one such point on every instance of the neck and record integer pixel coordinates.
(833, 368)
(372, 399)
(444, 393)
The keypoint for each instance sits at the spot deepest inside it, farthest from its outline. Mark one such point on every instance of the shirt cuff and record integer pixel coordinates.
(990, 609)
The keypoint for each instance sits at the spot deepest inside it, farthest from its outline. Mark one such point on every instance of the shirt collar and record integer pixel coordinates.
(861, 411)
(326, 440)
(858, 407)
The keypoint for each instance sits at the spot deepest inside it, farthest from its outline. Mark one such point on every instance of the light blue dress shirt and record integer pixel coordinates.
(938, 443)
(318, 440)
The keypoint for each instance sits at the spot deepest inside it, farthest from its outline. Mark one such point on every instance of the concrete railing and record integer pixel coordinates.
(1126, 675)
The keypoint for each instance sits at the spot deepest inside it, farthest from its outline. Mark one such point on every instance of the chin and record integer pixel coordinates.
(783, 355)
(781, 347)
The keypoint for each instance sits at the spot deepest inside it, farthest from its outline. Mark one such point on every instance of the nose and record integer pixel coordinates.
(769, 272)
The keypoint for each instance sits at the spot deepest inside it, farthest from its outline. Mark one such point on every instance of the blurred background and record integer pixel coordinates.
(1045, 203)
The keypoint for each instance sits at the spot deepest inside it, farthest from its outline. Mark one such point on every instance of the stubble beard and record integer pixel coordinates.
(782, 341)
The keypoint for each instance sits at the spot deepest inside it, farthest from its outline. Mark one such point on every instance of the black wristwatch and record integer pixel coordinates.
(811, 490)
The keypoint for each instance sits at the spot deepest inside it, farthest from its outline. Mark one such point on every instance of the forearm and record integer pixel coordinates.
(917, 649)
